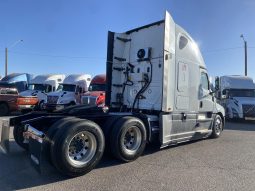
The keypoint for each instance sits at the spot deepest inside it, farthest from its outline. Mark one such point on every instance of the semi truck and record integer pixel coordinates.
(35, 97)
(236, 94)
(69, 92)
(10, 87)
(157, 92)
(20, 80)
(96, 93)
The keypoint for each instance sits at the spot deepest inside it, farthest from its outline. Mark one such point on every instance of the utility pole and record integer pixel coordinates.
(6, 61)
(6, 55)
(245, 55)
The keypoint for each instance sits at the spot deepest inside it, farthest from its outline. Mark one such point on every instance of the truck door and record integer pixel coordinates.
(205, 101)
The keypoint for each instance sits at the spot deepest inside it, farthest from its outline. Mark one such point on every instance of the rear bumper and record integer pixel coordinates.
(26, 107)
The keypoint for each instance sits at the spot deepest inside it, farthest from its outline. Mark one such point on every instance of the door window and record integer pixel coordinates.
(204, 81)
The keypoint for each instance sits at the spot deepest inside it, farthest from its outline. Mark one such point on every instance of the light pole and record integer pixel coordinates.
(245, 54)
(6, 55)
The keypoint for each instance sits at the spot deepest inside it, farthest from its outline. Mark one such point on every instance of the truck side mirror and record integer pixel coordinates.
(217, 83)
(225, 94)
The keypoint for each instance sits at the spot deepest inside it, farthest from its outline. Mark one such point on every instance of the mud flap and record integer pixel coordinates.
(39, 156)
(5, 133)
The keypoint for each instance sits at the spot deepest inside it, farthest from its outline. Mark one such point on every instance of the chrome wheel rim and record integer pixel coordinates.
(218, 126)
(131, 139)
(82, 148)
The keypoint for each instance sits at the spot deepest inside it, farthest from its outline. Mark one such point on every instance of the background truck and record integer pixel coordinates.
(69, 92)
(36, 96)
(96, 93)
(237, 95)
(10, 86)
(20, 80)
(157, 92)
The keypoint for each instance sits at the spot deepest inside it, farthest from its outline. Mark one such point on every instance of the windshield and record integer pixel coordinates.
(66, 87)
(40, 87)
(97, 87)
(241, 93)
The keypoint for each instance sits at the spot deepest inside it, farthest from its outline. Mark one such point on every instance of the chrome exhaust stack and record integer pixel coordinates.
(30, 131)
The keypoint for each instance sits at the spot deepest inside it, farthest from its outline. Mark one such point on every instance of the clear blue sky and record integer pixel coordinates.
(64, 36)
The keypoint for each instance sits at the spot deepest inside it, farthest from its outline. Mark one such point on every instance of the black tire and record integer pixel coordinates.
(54, 128)
(218, 126)
(60, 145)
(4, 109)
(18, 136)
(121, 132)
(107, 129)
(60, 124)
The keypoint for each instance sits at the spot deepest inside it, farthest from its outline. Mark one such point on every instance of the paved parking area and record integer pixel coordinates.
(227, 163)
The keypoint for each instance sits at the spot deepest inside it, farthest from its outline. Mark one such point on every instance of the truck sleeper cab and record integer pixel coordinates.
(237, 95)
(157, 91)
(69, 92)
(96, 92)
(36, 96)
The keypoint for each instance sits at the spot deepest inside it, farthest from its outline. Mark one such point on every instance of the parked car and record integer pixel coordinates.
(96, 94)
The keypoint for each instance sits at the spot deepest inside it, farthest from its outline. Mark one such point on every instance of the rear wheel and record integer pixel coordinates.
(18, 136)
(4, 109)
(217, 126)
(77, 148)
(128, 139)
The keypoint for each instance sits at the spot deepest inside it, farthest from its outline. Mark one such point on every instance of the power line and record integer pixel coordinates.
(222, 49)
(55, 56)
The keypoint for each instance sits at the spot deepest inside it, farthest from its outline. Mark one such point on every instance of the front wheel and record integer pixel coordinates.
(128, 139)
(217, 126)
(77, 148)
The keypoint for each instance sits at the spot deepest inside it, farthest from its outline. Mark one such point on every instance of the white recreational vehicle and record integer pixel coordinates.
(69, 92)
(39, 86)
(237, 95)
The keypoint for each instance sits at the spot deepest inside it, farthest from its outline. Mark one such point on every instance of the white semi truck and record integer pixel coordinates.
(157, 91)
(69, 92)
(237, 95)
(36, 96)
